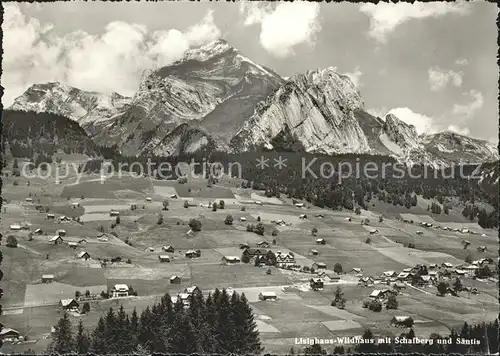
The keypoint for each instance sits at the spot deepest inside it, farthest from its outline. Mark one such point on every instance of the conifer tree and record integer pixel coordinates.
(98, 339)
(247, 335)
(62, 342)
(82, 341)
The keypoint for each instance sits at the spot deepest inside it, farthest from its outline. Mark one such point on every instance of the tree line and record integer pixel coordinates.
(220, 323)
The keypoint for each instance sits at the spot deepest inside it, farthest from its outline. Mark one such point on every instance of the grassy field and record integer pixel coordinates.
(29, 306)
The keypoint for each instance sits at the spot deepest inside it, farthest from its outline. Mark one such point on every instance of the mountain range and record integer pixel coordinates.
(217, 98)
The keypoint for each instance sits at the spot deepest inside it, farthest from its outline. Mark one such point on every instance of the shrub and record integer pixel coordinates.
(228, 220)
(195, 224)
(214, 206)
(243, 208)
(222, 204)
(250, 228)
(186, 204)
(11, 241)
(85, 308)
(375, 306)
(259, 229)
(368, 240)
(337, 268)
(274, 233)
(392, 302)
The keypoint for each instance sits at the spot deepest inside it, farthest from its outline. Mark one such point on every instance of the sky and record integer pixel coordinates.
(433, 64)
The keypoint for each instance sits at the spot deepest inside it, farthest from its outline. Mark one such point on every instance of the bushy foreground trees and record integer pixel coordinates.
(220, 323)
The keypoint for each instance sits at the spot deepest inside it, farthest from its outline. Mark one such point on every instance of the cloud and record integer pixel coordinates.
(422, 123)
(467, 111)
(283, 26)
(355, 77)
(462, 62)
(465, 131)
(111, 61)
(440, 78)
(385, 17)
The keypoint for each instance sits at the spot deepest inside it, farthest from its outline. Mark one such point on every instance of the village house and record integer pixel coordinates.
(387, 274)
(51, 216)
(114, 213)
(119, 290)
(379, 293)
(164, 258)
(319, 265)
(299, 205)
(191, 290)
(28, 200)
(420, 232)
(75, 205)
(39, 231)
(150, 249)
(432, 266)
(175, 280)
(193, 253)
(402, 321)
(320, 241)
(313, 252)
(433, 273)
(268, 296)
(185, 299)
(316, 284)
(302, 216)
(8, 334)
(148, 199)
(447, 265)
(243, 218)
(319, 216)
(56, 240)
(263, 244)
(471, 270)
(284, 260)
(61, 232)
(373, 231)
(243, 246)
(230, 259)
(398, 286)
(83, 255)
(252, 253)
(190, 233)
(407, 270)
(68, 304)
(258, 202)
(168, 248)
(403, 276)
(366, 281)
(356, 270)
(482, 248)
(73, 244)
(64, 218)
(47, 278)
(15, 227)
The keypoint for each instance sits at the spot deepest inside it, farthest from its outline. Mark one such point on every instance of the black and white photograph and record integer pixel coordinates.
(249, 177)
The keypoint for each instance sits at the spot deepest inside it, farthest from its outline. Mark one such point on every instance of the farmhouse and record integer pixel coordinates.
(420, 233)
(320, 241)
(243, 219)
(267, 296)
(231, 259)
(175, 280)
(15, 227)
(243, 246)
(313, 252)
(164, 258)
(8, 334)
(377, 293)
(373, 231)
(83, 255)
(75, 205)
(191, 290)
(64, 218)
(61, 232)
(56, 240)
(38, 231)
(389, 274)
(47, 278)
(403, 276)
(148, 199)
(68, 304)
(28, 200)
(303, 216)
(258, 202)
(151, 249)
(398, 286)
(51, 216)
(190, 233)
(263, 244)
(402, 321)
(168, 248)
(254, 252)
(114, 213)
(119, 290)
(193, 253)
(319, 265)
(316, 284)
(407, 270)
(72, 244)
(446, 264)
(432, 266)
(299, 205)
(356, 270)
(348, 219)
